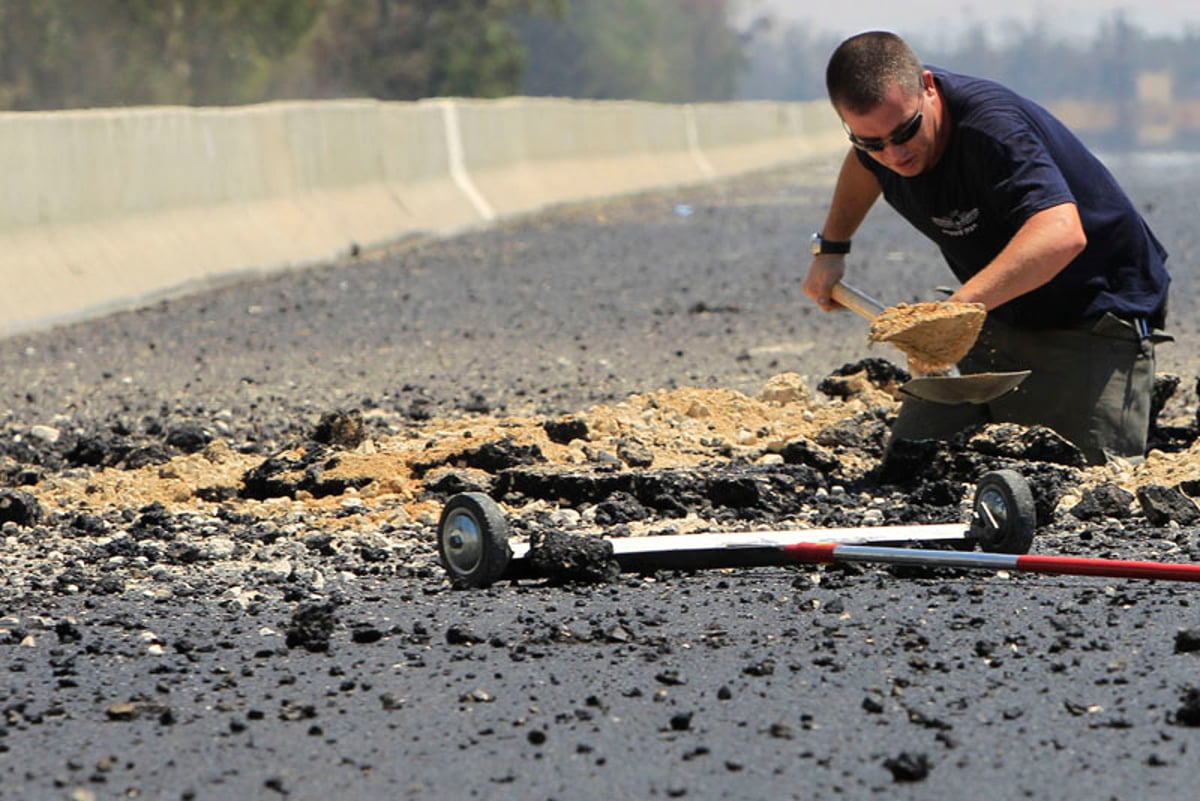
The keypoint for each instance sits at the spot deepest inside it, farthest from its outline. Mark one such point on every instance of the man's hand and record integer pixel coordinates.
(823, 273)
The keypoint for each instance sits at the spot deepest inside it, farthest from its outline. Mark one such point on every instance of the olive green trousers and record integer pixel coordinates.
(1093, 385)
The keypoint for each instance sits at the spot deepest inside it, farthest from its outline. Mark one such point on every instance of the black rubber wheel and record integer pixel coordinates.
(473, 540)
(1003, 518)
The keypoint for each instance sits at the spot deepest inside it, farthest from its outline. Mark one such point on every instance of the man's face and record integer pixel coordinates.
(899, 133)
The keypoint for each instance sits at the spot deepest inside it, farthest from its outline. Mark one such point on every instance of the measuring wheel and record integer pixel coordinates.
(1003, 517)
(473, 540)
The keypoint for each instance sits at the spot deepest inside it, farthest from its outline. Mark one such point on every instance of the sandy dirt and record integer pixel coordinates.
(682, 428)
(936, 333)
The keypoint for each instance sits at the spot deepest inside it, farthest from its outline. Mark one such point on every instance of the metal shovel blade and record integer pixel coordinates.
(947, 389)
(977, 388)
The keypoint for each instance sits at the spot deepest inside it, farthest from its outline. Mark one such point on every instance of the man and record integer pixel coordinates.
(1031, 223)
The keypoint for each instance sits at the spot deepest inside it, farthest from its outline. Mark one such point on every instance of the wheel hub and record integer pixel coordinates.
(993, 508)
(1004, 515)
(464, 541)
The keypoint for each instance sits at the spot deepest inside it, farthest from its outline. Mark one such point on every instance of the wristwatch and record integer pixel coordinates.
(822, 246)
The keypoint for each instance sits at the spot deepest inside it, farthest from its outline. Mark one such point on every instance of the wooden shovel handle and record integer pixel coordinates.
(856, 300)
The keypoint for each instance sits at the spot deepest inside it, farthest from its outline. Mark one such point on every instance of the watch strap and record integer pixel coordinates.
(823, 246)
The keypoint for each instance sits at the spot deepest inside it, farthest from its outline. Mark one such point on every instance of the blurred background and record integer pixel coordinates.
(1122, 77)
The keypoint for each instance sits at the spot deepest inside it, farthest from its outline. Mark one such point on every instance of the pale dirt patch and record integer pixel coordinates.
(1166, 469)
(679, 428)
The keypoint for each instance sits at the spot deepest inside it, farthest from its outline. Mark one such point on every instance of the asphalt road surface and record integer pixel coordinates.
(762, 683)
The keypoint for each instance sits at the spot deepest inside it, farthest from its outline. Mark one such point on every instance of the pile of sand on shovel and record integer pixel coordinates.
(937, 334)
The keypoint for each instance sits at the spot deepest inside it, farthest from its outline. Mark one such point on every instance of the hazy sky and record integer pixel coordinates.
(931, 19)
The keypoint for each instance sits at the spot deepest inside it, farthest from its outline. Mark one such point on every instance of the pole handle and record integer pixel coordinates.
(856, 300)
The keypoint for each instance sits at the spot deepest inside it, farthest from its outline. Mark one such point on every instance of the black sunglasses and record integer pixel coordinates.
(902, 134)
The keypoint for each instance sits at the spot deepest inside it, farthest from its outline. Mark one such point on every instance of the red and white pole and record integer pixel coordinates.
(828, 553)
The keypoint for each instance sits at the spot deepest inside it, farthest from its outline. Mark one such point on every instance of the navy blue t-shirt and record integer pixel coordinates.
(1008, 158)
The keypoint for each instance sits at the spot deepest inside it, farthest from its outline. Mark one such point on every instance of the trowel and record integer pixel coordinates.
(951, 387)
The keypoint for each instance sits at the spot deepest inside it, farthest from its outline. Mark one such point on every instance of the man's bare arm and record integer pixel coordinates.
(1040, 250)
(855, 192)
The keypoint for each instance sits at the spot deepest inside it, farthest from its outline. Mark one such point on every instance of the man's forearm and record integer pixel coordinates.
(855, 193)
(1040, 250)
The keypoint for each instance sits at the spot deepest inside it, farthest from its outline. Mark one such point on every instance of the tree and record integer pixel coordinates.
(71, 53)
(217, 51)
(54, 55)
(786, 62)
(410, 49)
(664, 50)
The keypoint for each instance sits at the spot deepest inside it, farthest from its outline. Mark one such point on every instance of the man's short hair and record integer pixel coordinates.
(864, 66)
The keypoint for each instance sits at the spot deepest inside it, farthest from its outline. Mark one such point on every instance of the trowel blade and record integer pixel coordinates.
(977, 388)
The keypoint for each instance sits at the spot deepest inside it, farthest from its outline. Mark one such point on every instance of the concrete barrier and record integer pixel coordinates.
(524, 154)
(742, 137)
(109, 208)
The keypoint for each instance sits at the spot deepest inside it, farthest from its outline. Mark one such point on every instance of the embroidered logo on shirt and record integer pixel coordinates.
(958, 223)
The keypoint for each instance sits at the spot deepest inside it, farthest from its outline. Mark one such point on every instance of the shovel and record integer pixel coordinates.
(952, 388)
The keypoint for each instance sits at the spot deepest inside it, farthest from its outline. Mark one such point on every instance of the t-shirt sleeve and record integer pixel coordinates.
(1018, 173)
